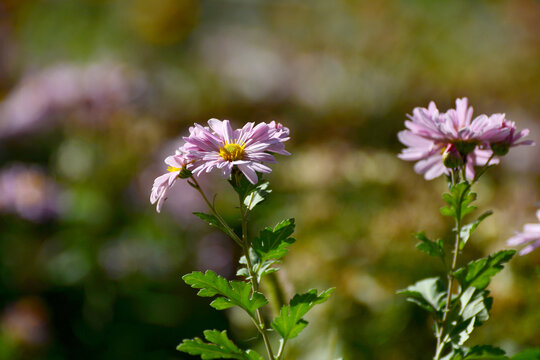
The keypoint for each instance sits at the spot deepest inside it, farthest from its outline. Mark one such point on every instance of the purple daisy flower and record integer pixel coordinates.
(220, 147)
(429, 134)
(177, 163)
(529, 237)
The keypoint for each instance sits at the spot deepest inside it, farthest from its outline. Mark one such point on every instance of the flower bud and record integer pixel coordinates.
(500, 148)
(185, 174)
(452, 157)
(465, 147)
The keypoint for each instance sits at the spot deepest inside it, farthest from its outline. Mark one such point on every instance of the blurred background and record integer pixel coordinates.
(94, 94)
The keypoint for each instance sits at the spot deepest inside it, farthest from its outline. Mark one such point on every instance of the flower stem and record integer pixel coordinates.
(254, 281)
(441, 342)
(226, 226)
(259, 321)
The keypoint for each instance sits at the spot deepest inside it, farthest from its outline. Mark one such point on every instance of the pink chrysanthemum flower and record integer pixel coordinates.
(430, 133)
(177, 164)
(219, 147)
(529, 237)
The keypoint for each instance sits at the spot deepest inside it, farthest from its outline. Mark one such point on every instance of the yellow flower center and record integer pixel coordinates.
(232, 151)
(173, 169)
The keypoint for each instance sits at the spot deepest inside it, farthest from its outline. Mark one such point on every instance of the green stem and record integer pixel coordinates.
(226, 226)
(254, 281)
(482, 170)
(441, 343)
(259, 322)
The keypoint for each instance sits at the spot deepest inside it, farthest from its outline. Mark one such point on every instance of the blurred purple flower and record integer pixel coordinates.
(219, 147)
(92, 91)
(27, 191)
(429, 133)
(26, 322)
(529, 237)
(177, 163)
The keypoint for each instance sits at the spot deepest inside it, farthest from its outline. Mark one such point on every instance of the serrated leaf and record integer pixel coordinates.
(211, 220)
(528, 354)
(468, 229)
(257, 195)
(478, 273)
(432, 248)
(272, 244)
(484, 352)
(234, 293)
(220, 347)
(429, 294)
(289, 323)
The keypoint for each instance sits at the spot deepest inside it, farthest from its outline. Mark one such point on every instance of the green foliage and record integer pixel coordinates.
(211, 220)
(251, 194)
(529, 354)
(429, 294)
(233, 293)
(219, 347)
(260, 268)
(468, 229)
(272, 244)
(478, 273)
(432, 248)
(289, 323)
(459, 201)
(480, 352)
(473, 311)
(258, 195)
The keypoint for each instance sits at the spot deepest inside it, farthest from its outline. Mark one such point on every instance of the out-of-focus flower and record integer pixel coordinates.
(219, 147)
(529, 237)
(26, 322)
(501, 144)
(28, 192)
(177, 169)
(430, 134)
(278, 131)
(91, 91)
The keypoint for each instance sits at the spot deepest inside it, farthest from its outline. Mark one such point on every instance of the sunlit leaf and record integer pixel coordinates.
(272, 244)
(233, 293)
(289, 323)
(478, 273)
(219, 347)
(429, 294)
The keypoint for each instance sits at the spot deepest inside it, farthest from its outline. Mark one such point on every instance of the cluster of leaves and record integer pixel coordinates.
(265, 251)
(469, 307)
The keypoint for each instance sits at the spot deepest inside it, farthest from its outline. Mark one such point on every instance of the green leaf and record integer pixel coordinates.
(257, 195)
(528, 354)
(459, 200)
(478, 273)
(251, 194)
(234, 293)
(220, 347)
(211, 220)
(272, 243)
(484, 352)
(473, 311)
(432, 248)
(468, 229)
(289, 323)
(429, 294)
